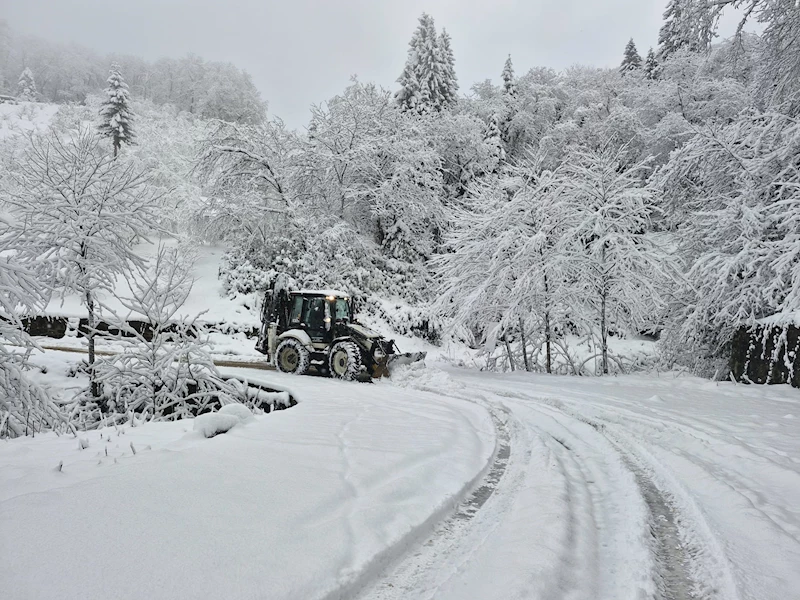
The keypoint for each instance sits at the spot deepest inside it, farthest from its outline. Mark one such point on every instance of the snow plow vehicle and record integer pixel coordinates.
(317, 328)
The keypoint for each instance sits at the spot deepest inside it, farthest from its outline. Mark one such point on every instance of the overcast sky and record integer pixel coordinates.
(301, 52)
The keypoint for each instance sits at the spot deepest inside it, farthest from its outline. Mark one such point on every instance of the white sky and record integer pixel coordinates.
(302, 52)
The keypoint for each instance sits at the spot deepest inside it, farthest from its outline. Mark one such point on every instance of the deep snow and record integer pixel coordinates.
(297, 504)
(596, 488)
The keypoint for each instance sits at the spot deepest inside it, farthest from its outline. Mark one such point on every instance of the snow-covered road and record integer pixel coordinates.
(633, 487)
(443, 483)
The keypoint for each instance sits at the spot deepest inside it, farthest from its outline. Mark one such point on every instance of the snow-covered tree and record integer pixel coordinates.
(26, 86)
(116, 118)
(688, 24)
(739, 188)
(77, 215)
(509, 80)
(631, 60)
(500, 281)
(494, 140)
(651, 65)
(450, 81)
(166, 371)
(425, 83)
(25, 408)
(616, 265)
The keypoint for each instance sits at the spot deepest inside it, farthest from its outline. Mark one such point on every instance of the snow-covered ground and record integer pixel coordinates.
(629, 487)
(24, 117)
(298, 504)
(442, 483)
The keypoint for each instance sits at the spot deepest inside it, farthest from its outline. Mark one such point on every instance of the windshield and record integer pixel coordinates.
(341, 310)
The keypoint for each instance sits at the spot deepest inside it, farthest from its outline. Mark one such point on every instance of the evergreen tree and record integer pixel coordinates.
(688, 24)
(494, 140)
(424, 86)
(450, 81)
(509, 81)
(631, 61)
(26, 87)
(116, 118)
(651, 65)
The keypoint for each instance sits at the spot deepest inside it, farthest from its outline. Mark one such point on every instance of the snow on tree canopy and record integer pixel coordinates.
(687, 24)
(509, 81)
(631, 61)
(116, 118)
(428, 81)
(26, 87)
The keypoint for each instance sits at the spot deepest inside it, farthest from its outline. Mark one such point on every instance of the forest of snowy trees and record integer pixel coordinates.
(33, 68)
(660, 197)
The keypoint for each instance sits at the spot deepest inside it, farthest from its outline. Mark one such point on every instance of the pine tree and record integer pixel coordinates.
(494, 140)
(688, 24)
(26, 87)
(450, 82)
(631, 61)
(509, 81)
(651, 65)
(424, 83)
(116, 118)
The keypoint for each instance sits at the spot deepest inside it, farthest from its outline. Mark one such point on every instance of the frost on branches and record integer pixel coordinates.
(740, 233)
(116, 118)
(166, 371)
(25, 408)
(77, 215)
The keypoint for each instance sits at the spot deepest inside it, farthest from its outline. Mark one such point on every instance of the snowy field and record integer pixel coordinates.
(443, 483)
(25, 117)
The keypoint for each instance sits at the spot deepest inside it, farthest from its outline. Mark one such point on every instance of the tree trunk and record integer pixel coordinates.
(547, 333)
(604, 331)
(508, 353)
(92, 324)
(524, 345)
(547, 336)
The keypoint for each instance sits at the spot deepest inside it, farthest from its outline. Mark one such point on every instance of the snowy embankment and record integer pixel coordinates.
(301, 503)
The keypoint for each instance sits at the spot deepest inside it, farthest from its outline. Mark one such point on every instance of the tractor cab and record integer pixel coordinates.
(319, 313)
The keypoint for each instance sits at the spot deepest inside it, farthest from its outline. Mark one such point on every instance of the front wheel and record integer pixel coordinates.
(344, 360)
(292, 357)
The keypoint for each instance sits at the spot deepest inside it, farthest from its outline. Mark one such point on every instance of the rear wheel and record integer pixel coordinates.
(292, 357)
(345, 360)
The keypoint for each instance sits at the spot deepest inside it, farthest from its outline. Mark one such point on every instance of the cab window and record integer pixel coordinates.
(341, 310)
(297, 310)
(315, 313)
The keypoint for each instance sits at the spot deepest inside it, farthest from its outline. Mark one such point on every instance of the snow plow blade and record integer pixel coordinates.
(384, 367)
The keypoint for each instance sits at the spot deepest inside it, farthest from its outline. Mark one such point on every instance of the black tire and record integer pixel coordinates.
(292, 357)
(344, 360)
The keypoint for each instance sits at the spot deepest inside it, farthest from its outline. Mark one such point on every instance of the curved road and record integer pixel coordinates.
(600, 496)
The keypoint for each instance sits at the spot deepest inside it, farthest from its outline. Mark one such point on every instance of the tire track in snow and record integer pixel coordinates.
(416, 574)
(674, 554)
